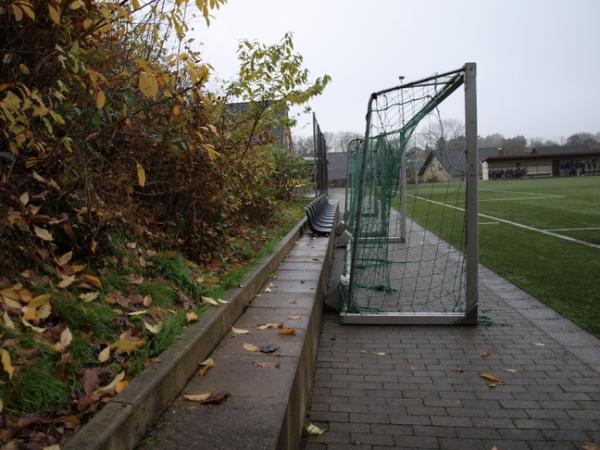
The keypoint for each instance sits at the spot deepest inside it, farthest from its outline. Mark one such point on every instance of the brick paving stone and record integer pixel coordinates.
(415, 394)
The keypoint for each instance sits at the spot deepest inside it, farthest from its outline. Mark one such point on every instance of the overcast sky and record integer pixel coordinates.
(538, 60)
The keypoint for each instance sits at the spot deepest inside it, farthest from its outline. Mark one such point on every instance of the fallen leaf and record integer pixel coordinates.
(200, 279)
(6, 364)
(205, 365)
(267, 289)
(287, 330)
(121, 385)
(33, 327)
(24, 198)
(112, 385)
(141, 174)
(492, 385)
(214, 398)
(235, 330)
(269, 348)
(590, 446)
(266, 365)
(212, 281)
(66, 338)
(209, 301)
(135, 279)
(141, 312)
(380, 353)
(42, 233)
(485, 353)
(128, 345)
(66, 281)
(489, 377)
(220, 300)
(90, 380)
(94, 281)
(513, 371)
(8, 323)
(154, 329)
(539, 344)
(104, 355)
(294, 317)
(250, 347)
(89, 296)
(191, 316)
(459, 370)
(269, 325)
(313, 430)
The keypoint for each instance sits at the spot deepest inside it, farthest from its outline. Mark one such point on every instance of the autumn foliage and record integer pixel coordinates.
(107, 128)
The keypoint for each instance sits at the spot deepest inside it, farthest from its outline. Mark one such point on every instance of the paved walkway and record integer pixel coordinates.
(420, 387)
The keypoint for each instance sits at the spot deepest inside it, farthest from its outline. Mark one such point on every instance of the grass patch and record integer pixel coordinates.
(559, 273)
(162, 295)
(38, 390)
(174, 268)
(85, 317)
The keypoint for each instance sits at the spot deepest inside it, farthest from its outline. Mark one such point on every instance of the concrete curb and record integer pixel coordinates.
(127, 417)
(290, 436)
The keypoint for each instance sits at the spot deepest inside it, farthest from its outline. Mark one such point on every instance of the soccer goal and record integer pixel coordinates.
(411, 206)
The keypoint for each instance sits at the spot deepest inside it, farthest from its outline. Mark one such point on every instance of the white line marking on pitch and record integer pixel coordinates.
(573, 229)
(518, 225)
(521, 192)
(513, 199)
(489, 223)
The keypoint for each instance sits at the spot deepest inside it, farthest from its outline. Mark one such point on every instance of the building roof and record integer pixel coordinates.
(453, 161)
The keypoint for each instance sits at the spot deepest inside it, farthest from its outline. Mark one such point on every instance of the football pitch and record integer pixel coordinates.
(541, 234)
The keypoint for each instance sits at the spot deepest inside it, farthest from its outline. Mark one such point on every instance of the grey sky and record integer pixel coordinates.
(538, 60)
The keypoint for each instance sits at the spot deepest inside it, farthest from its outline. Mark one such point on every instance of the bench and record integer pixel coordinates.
(321, 215)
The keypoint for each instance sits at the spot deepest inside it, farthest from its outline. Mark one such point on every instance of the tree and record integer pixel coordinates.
(514, 146)
(583, 140)
(493, 140)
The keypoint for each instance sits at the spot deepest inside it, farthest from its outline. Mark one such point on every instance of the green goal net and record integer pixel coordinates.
(411, 207)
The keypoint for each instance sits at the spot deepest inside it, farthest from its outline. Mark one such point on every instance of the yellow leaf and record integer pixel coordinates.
(24, 198)
(239, 330)
(148, 84)
(294, 317)
(154, 329)
(250, 347)
(104, 355)
(6, 364)
(76, 4)
(54, 14)
(42, 233)
(24, 69)
(8, 323)
(313, 430)
(34, 328)
(269, 325)
(64, 259)
(100, 99)
(191, 316)
(141, 174)
(210, 301)
(513, 371)
(78, 267)
(197, 397)
(38, 301)
(211, 152)
(128, 346)
(94, 281)
(18, 12)
(112, 385)
(489, 377)
(66, 338)
(205, 365)
(28, 10)
(89, 296)
(121, 385)
(138, 313)
(220, 300)
(287, 330)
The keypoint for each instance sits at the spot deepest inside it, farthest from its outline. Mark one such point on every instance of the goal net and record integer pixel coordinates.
(411, 207)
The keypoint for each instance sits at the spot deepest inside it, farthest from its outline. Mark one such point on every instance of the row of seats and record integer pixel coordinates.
(321, 215)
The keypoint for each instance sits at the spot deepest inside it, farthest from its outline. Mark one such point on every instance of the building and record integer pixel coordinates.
(447, 165)
(544, 163)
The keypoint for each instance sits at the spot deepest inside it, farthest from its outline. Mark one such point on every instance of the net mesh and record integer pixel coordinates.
(405, 205)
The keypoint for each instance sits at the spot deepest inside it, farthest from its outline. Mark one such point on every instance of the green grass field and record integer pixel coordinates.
(564, 275)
